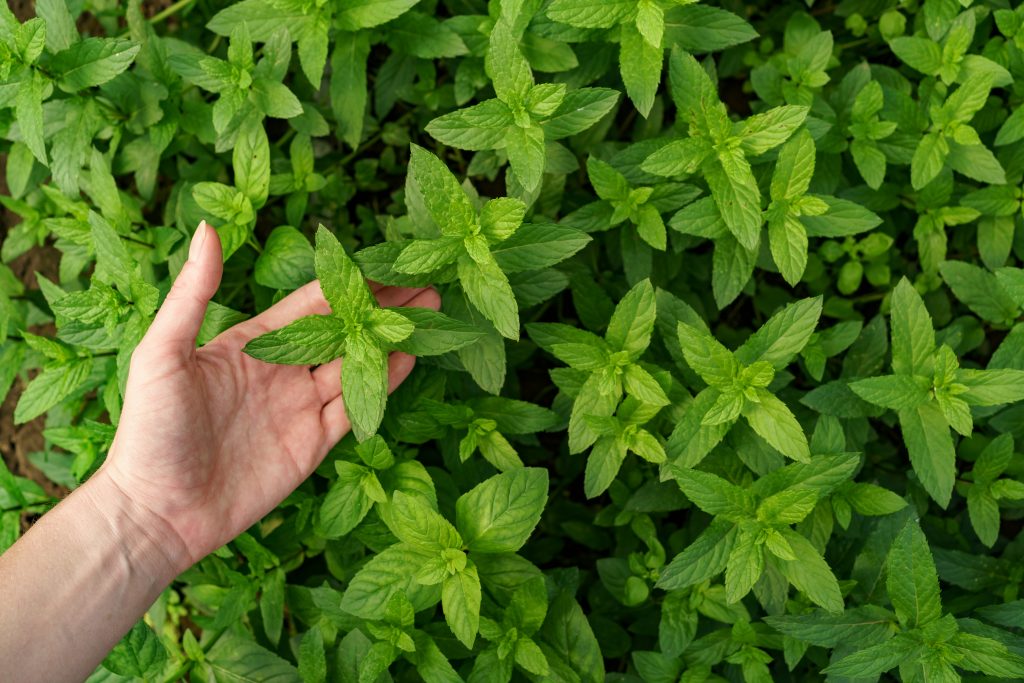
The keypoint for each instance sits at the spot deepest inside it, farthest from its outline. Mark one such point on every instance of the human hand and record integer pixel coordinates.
(210, 439)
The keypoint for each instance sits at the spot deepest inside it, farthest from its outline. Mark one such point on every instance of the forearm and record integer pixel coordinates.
(78, 580)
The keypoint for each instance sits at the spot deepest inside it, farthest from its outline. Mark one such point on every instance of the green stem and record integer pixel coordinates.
(173, 9)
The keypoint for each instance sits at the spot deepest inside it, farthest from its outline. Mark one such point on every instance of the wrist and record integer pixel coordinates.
(149, 546)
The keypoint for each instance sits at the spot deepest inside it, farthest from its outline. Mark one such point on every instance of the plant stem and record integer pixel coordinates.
(173, 9)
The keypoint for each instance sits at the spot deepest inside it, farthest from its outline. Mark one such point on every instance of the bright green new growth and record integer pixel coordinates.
(358, 329)
(737, 384)
(751, 533)
(931, 393)
(524, 116)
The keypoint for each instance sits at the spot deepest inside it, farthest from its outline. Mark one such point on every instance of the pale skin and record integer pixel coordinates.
(210, 440)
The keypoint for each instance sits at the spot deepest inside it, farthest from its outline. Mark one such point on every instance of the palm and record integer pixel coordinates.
(212, 442)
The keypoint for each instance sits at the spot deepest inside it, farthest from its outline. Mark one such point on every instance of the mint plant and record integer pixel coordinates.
(738, 384)
(762, 422)
(360, 330)
(931, 393)
(524, 116)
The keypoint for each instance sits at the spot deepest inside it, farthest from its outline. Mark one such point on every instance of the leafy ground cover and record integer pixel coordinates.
(727, 380)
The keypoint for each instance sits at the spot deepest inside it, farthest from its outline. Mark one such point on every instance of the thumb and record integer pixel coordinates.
(181, 315)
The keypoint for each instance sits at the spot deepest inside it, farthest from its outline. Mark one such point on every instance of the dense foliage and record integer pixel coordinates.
(724, 385)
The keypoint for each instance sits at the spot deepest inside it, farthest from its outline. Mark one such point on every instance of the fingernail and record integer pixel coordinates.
(198, 239)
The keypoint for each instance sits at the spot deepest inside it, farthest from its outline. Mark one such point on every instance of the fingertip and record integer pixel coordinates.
(431, 299)
(425, 298)
(212, 240)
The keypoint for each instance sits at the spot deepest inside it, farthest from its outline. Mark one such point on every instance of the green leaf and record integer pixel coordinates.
(929, 158)
(286, 261)
(312, 658)
(608, 183)
(348, 84)
(704, 558)
(913, 338)
(795, 166)
(580, 110)
(251, 161)
(770, 129)
(912, 582)
(29, 113)
(92, 62)
(811, 574)
(679, 157)
(983, 511)
(701, 28)
(783, 336)
(603, 465)
(919, 53)
(364, 384)
(312, 340)
(706, 355)
(499, 514)
(441, 193)
(744, 567)
(387, 573)
(346, 503)
(857, 626)
(50, 387)
(435, 333)
(714, 495)
(342, 282)
(992, 387)
(842, 218)
(368, 13)
(633, 320)
(875, 660)
(481, 126)
(588, 13)
(735, 193)
(777, 425)
(488, 290)
(980, 290)
(538, 245)
(272, 604)
(930, 446)
(233, 657)
(526, 154)
(460, 599)
(640, 67)
(506, 65)
(896, 392)
(788, 242)
(139, 654)
(275, 99)
(60, 25)
(411, 519)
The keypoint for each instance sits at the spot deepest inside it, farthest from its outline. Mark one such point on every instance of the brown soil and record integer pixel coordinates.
(17, 441)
